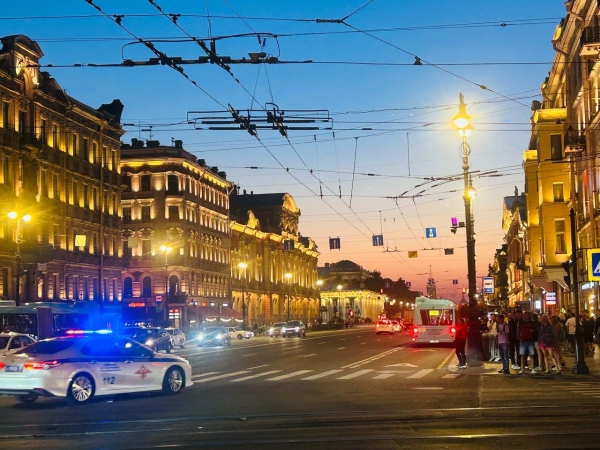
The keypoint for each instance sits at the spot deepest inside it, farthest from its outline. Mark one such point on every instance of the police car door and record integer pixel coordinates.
(104, 360)
(139, 371)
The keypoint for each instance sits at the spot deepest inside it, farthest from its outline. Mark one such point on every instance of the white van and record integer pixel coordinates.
(435, 321)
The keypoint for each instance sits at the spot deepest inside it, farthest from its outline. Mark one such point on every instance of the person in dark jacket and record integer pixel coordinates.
(513, 339)
(460, 341)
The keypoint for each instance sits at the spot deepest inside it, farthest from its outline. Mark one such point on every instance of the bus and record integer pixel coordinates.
(434, 321)
(46, 319)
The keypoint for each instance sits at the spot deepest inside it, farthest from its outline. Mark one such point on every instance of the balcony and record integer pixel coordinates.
(590, 43)
(574, 142)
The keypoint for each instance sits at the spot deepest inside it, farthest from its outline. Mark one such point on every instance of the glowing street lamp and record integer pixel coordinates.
(243, 266)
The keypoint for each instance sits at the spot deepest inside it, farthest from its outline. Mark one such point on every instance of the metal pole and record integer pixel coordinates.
(18, 264)
(243, 303)
(472, 277)
(166, 299)
(288, 299)
(580, 365)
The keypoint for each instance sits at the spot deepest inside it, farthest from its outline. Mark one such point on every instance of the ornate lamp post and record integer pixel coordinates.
(243, 266)
(166, 250)
(319, 284)
(339, 288)
(288, 276)
(18, 238)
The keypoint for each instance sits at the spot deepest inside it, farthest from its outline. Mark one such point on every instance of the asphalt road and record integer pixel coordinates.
(347, 389)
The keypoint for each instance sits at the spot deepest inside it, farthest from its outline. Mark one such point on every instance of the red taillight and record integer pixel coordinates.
(2, 365)
(42, 365)
(452, 330)
(415, 330)
(71, 332)
(377, 326)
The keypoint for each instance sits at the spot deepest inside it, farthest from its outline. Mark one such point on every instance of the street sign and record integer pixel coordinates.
(454, 282)
(488, 285)
(594, 264)
(408, 284)
(377, 240)
(158, 298)
(413, 253)
(430, 232)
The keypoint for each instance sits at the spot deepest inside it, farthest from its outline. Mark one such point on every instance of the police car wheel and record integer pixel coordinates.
(27, 399)
(239, 336)
(173, 382)
(81, 389)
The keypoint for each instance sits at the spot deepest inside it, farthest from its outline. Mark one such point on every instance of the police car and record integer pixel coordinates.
(14, 341)
(80, 367)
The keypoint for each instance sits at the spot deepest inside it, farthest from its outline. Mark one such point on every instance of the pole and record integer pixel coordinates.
(580, 365)
(18, 264)
(288, 299)
(166, 299)
(243, 303)
(465, 150)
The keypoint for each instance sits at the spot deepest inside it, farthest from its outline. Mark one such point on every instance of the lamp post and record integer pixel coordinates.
(339, 288)
(319, 284)
(166, 250)
(288, 276)
(243, 266)
(18, 239)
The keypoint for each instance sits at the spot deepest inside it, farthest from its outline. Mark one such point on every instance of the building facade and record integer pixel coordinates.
(60, 181)
(266, 246)
(175, 232)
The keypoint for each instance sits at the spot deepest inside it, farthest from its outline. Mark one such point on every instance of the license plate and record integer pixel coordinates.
(434, 331)
(13, 369)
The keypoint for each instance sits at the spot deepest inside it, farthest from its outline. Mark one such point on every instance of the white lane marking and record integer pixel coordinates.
(362, 343)
(401, 365)
(289, 375)
(355, 374)
(383, 376)
(249, 377)
(200, 375)
(421, 373)
(218, 377)
(321, 343)
(378, 340)
(342, 339)
(257, 367)
(321, 375)
(341, 348)
(306, 356)
(251, 354)
(452, 375)
(371, 359)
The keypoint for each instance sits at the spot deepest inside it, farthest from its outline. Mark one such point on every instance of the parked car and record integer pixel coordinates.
(397, 326)
(177, 336)
(14, 341)
(293, 328)
(275, 330)
(156, 338)
(239, 333)
(384, 326)
(214, 336)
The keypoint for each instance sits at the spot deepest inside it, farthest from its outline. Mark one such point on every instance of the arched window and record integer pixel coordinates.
(128, 288)
(147, 287)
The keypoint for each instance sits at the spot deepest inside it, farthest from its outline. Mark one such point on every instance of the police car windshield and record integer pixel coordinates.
(49, 347)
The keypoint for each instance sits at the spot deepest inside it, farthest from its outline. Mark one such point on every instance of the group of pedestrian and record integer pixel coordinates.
(525, 341)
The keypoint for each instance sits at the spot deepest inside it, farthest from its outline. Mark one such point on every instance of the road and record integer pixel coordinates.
(347, 389)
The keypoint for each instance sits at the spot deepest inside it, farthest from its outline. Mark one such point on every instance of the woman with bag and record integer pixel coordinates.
(547, 342)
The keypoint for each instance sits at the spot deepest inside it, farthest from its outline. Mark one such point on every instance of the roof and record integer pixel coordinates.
(253, 200)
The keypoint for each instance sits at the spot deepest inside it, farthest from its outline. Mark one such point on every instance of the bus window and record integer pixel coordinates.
(437, 317)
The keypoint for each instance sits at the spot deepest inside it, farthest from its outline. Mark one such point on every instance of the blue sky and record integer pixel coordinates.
(393, 98)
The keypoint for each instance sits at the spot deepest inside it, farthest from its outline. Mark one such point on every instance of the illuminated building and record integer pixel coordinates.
(265, 239)
(59, 163)
(176, 231)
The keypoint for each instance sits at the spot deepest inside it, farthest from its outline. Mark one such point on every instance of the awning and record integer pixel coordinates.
(215, 311)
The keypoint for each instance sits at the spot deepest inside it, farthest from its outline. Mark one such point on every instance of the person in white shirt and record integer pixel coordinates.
(492, 341)
(571, 326)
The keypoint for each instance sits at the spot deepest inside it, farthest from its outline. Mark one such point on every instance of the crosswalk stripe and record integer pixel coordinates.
(258, 375)
(452, 375)
(289, 375)
(200, 375)
(218, 377)
(383, 376)
(355, 374)
(321, 375)
(421, 373)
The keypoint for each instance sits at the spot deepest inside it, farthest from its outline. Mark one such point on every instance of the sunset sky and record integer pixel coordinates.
(362, 76)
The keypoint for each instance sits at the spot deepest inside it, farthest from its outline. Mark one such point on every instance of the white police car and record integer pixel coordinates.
(84, 366)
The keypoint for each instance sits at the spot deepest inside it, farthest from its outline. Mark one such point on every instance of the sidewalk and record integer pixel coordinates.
(492, 368)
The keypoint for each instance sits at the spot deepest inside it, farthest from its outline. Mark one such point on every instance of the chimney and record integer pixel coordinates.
(251, 192)
(244, 191)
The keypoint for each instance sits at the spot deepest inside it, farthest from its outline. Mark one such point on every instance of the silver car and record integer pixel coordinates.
(177, 337)
(275, 330)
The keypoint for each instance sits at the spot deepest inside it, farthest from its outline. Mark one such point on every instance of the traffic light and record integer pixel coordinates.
(454, 222)
(567, 266)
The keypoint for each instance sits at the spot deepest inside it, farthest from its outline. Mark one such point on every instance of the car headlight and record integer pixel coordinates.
(150, 342)
(297, 329)
(200, 337)
(283, 329)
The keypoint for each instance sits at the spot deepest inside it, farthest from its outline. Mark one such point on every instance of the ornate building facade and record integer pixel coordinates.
(176, 231)
(265, 239)
(60, 181)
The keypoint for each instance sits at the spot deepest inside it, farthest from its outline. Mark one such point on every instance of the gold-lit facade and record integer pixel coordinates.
(59, 165)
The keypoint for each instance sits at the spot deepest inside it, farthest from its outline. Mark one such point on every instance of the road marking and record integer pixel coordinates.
(200, 375)
(371, 359)
(218, 377)
(355, 374)
(424, 350)
(257, 367)
(421, 373)
(342, 339)
(401, 365)
(383, 376)
(446, 359)
(306, 356)
(362, 343)
(251, 354)
(341, 348)
(321, 343)
(378, 340)
(249, 377)
(452, 375)
(289, 375)
(321, 375)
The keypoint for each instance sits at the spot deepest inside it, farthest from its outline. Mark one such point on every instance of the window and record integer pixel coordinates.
(559, 227)
(74, 145)
(559, 195)
(146, 248)
(126, 214)
(22, 122)
(75, 194)
(43, 136)
(172, 184)
(128, 287)
(5, 170)
(54, 135)
(147, 287)
(145, 214)
(5, 121)
(55, 186)
(555, 147)
(43, 184)
(94, 152)
(437, 317)
(85, 150)
(126, 182)
(145, 182)
(86, 194)
(173, 212)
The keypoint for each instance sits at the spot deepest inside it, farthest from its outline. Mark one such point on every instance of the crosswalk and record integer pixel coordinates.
(276, 375)
(587, 388)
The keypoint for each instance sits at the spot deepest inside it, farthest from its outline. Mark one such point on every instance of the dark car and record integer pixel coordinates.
(293, 328)
(156, 338)
(214, 336)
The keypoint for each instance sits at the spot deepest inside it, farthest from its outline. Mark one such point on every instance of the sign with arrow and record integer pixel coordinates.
(594, 264)
(430, 232)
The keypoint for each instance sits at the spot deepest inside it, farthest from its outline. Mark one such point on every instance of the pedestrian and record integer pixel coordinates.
(513, 339)
(502, 334)
(492, 338)
(547, 341)
(571, 326)
(460, 341)
(526, 329)
(588, 333)
(562, 337)
(538, 357)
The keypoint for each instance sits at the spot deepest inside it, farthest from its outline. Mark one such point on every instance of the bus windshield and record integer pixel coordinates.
(437, 317)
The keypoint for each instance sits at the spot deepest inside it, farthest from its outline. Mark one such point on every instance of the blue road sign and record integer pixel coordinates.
(455, 282)
(430, 232)
(594, 264)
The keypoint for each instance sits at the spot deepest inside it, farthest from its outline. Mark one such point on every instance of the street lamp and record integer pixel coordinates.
(339, 288)
(462, 122)
(18, 238)
(319, 284)
(288, 276)
(166, 250)
(243, 266)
